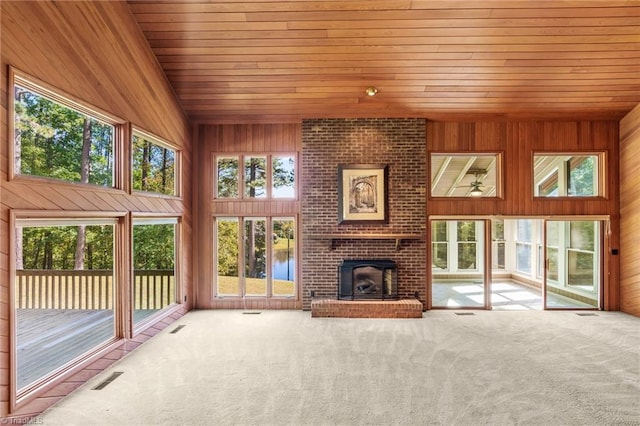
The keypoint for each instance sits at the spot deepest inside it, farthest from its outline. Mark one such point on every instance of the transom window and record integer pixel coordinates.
(255, 176)
(57, 138)
(154, 165)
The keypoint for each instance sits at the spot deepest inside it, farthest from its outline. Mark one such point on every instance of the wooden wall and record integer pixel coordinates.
(518, 141)
(95, 52)
(236, 139)
(630, 212)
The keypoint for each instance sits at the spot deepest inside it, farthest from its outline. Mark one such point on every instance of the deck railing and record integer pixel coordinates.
(90, 289)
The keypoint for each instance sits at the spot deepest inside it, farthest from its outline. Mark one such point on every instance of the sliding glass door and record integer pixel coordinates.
(572, 268)
(458, 264)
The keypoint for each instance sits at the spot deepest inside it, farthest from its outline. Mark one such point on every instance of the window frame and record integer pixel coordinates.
(561, 169)
(269, 190)
(40, 88)
(177, 169)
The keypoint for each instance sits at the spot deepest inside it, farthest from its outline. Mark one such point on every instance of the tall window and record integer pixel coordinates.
(440, 244)
(55, 138)
(524, 245)
(64, 293)
(154, 165)
(498, 243)
(255, 176)
(467, 246)
(154, 266)
(264, 249)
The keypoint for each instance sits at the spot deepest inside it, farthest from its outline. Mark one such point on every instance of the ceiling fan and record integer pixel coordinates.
(477, 183)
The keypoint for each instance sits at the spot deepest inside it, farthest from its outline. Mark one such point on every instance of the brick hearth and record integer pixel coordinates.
(333, 308)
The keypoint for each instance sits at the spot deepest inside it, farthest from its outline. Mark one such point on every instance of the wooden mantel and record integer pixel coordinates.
(353, 236)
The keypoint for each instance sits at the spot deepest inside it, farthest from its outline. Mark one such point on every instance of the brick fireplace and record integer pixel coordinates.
(398, 143)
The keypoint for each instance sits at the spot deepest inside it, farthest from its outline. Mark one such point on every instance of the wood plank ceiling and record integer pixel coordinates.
(261, 60)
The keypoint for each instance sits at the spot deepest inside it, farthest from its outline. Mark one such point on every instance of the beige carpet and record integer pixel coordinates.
(286, 368)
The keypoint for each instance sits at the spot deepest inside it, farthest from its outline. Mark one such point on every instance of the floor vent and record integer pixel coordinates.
(108, 380)
(464, 313)
(175, 330)
(251, 313)
(587, 314)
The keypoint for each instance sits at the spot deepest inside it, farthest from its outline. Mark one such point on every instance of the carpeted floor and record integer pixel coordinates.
(286, 368)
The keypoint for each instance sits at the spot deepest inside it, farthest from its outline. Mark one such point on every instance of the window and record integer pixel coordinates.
(498, 244)
(154, 266)
(60, 139)
(568, 175)
(467, 246)
(153, 165)
(524, 246)
(440, 245)
(264, 248)
(227, 177)
(466, 175)
(261, 176)
(64, 293)
(255, 177)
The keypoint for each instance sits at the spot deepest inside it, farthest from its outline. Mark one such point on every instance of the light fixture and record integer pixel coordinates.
(476, 191)
(371, 91)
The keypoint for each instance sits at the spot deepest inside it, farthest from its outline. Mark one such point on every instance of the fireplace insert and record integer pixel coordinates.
(368, 279)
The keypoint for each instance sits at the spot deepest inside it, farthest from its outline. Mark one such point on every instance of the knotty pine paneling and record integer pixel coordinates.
(630, 212)
(236, 139)
(518, 141)
(93, 52)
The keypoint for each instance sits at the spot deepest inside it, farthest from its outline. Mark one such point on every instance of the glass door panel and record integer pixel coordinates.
(572, 279)
(457, 264)
(255, 252)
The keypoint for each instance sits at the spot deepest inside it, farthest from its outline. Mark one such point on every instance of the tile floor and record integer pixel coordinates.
(505, 295)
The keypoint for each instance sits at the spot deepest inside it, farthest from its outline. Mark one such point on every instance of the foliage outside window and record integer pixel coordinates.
(54, 140)
(568, 175)
(64, 282)
(154, 262)
(227, 177)
(255, 177)
(498, 244)
(153, 166)
(263, 248)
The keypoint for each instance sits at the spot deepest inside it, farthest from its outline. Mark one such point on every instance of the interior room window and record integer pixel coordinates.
(64, 293)
(264, 249)
(568, 175)
(60, 140)
(227, 178)
(466, 175)
(255, 177)
(154, 266)
(154, 165)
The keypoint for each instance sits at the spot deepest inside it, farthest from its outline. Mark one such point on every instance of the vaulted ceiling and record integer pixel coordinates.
(268, 60)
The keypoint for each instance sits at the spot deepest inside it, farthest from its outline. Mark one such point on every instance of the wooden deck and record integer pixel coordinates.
(47, 339)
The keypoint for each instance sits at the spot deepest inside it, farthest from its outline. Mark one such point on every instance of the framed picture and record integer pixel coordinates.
(362, 193)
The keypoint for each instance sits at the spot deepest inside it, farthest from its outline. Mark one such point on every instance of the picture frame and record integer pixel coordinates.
(362, 193)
